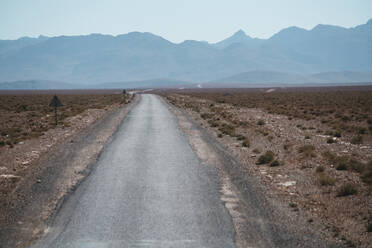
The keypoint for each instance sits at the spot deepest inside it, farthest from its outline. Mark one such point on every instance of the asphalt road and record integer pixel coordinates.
(148, 189)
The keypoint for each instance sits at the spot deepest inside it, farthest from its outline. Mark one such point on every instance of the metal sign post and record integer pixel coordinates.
(55, 103)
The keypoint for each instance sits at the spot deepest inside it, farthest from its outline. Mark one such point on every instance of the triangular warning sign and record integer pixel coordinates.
(55, 102)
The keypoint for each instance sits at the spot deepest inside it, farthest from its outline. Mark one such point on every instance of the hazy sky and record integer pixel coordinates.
(175, 20)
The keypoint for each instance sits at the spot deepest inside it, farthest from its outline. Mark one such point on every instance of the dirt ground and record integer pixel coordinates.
(37, 173)
(301, 167)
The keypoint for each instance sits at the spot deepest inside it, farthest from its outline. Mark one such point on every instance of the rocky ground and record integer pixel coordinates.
(36, 174)
(315, 174)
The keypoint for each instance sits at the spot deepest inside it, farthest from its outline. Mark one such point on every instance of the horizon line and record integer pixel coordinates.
(209, 42)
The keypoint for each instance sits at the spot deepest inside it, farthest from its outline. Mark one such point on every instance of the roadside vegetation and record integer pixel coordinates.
(29, 116)
(313, 146)
(343, 111)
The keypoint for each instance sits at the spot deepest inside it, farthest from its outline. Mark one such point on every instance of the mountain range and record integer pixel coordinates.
(323, 54)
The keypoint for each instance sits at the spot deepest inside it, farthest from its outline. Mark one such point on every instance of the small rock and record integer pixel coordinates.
(289, 183)
(263, 172)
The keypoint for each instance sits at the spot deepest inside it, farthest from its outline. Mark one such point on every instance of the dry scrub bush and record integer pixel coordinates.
(266, 158)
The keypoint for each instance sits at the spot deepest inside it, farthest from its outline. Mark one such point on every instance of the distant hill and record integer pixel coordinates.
(274, 77)
(46, 85)
(37, 84)
(261, 77)
(7, 46)
(342, 77)
(247, 79)
(96, 58)
(153, 83)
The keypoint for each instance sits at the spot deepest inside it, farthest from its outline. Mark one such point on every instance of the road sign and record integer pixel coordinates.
(55, 103)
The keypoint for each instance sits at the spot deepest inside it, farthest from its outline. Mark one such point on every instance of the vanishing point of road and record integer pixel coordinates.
(148, 189)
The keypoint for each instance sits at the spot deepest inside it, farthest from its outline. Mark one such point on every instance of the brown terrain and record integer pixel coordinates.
(31, 147)
(311, 148)
(27, 127)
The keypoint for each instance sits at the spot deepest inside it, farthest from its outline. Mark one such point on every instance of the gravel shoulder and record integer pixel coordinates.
(260, 219)
(60, 162)
(305, 181)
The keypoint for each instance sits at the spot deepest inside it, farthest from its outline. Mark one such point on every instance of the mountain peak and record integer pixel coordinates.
(240, 33)
(239, 37)
(288, 33)
(327, 28)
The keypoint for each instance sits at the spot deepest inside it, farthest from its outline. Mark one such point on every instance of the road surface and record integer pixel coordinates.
(148, 189)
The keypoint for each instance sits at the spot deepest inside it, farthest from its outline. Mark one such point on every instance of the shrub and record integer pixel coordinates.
(357, 140)
(347, 189)
(367, 173)
(341, 166)
(332, 158)
(246, 142)
(293, 205)
(319, 169)
(307, 151)
(356, 165)
(227, 129)
(362, 130)
(330, 133)
(206, 116)
(274, 163)
(286, 146)
(330, 141)
(260, 122)
(266, 158)
(326, 180)
(213, 123)
(256, 150)
(337, 134)
(369, 227)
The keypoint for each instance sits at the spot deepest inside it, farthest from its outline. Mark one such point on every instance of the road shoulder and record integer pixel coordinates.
(260, 218)
(58, 172)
